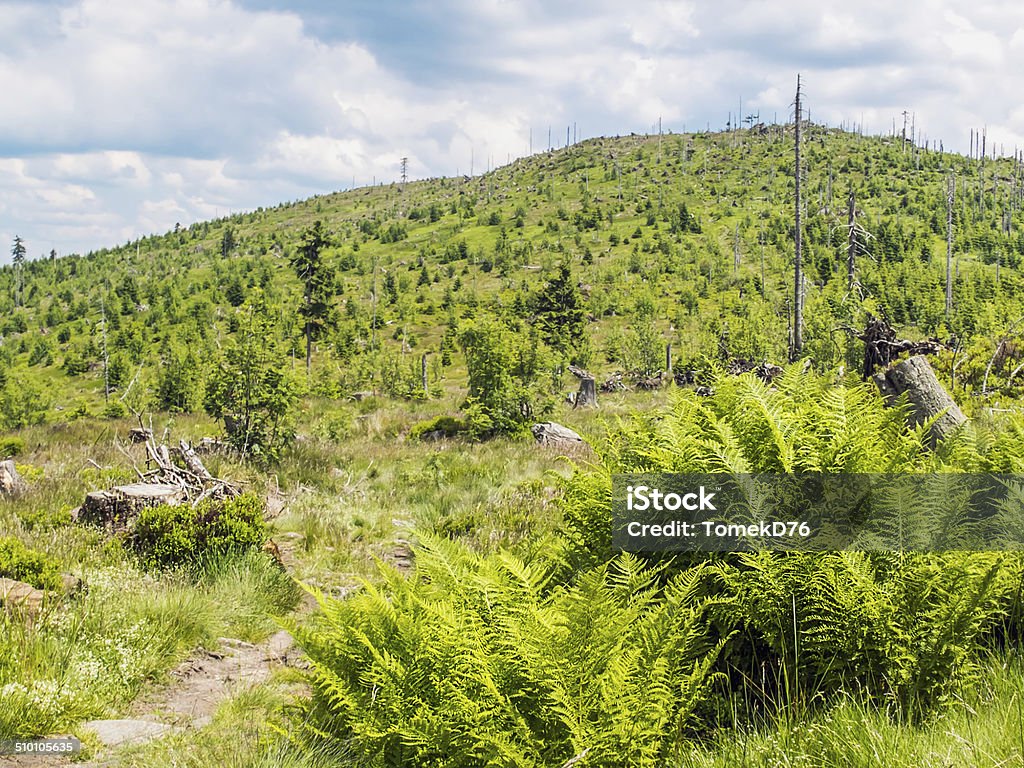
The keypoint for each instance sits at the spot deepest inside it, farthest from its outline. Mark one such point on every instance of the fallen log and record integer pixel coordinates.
(929, 401)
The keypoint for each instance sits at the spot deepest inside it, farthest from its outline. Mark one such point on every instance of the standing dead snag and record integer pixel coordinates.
(798, 310)
(929, 402)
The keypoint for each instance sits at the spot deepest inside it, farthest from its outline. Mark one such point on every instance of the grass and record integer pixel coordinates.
(89, 656)
(984, 731)
(357, 490)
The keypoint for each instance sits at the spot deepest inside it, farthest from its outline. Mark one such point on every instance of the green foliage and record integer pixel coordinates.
(478, 661)
(906, 632)
(504, 370)
(253, 393)
(561, 317)
(23, 564)
(318, 281)
(166, 536)
(446, 426)
(178, 385)
(11, 446)
(21, 403)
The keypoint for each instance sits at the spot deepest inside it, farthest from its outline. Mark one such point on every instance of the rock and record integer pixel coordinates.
(116, 508)
(278, 646)
(70, 584)
(550, 433)
(115, 733)
(19, 597)
(10, 481)
(233, 643)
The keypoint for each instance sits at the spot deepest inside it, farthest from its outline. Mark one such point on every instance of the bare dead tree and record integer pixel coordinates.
(950, 191)
(736, 249)
(798, 312)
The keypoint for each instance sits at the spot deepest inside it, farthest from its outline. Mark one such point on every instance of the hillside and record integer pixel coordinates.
(681, 239)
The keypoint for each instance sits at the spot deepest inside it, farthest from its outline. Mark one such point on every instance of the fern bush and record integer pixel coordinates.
(904, 630)
(477, 660)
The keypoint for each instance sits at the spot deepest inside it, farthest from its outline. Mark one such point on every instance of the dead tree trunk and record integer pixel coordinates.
(950, 191)
(929, 402)
(798, 310)
(851, 246)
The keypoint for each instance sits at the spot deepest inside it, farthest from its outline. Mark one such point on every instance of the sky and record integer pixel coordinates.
(122, 118)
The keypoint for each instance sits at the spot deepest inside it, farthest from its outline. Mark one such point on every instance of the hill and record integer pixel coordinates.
(681, 239)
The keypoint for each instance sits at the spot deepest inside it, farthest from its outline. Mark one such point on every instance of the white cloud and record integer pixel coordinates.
(125, 116)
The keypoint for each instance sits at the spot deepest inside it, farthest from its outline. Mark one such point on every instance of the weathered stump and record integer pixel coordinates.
(928, 399)
(587, 396)
(116, 508)
(10, 481)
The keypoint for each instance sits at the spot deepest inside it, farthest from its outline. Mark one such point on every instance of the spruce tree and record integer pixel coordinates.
(319, 286)
(560, 314)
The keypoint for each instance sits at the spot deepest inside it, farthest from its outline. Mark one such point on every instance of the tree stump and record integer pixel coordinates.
(10, 481)
(116, 508)
(926, 395)
(587, 396)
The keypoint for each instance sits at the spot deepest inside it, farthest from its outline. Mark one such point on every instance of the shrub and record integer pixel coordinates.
(11, 446)
(167, 536)
(23, 564)
(253, 393)
(447, 426)
(504, 370)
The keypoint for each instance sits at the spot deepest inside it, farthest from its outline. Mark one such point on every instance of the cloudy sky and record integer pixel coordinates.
(123, 117)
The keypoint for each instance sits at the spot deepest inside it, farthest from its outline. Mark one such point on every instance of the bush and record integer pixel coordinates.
(23, 564)
(505, 371)
(447, 426)
(168, 536)
(254, 394)
(11, 446)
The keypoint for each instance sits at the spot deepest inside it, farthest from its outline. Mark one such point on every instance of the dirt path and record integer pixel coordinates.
(209, 678)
